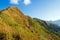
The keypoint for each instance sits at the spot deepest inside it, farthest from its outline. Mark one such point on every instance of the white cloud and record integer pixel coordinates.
(14, 1)
(26, 2)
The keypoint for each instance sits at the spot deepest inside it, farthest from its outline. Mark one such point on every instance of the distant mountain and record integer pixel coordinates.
(56, 22)
(14, 25)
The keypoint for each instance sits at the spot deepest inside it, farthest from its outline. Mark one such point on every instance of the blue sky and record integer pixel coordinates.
(42, 9)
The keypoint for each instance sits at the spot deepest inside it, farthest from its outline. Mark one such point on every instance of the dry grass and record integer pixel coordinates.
(14, 25)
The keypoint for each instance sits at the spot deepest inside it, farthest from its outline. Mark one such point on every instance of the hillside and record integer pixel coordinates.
(14, 25)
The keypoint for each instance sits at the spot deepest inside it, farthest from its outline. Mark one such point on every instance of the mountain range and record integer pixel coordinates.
(14, 25)
(57, 22)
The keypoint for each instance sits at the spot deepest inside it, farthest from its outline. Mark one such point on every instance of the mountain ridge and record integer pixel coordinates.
(14, 25)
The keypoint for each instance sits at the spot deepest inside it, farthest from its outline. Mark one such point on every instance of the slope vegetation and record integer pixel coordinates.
(14, 25)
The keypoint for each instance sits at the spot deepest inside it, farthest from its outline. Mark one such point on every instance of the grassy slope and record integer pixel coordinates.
(14, 25)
